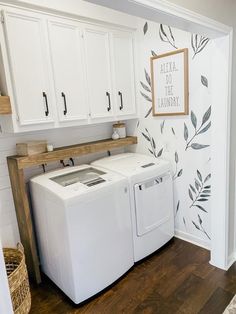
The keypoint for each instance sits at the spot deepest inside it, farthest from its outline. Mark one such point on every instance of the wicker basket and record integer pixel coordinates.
(18, 279)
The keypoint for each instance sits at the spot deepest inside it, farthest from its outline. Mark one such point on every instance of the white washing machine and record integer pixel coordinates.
(151, 190)
(83, 226)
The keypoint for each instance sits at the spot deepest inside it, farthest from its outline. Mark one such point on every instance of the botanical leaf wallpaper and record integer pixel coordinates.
(166, 35)
(184, 140)
(204, 126)
(198, 43)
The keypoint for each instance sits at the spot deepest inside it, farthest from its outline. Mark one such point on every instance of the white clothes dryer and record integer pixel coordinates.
(83, 226)
(151, 190)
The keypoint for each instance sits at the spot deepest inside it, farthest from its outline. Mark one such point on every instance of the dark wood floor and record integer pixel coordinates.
(177, 279)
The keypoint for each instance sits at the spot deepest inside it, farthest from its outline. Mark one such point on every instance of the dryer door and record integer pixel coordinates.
(153, 203)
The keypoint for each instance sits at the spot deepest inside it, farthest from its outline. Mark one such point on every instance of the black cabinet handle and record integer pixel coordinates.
(64, 97)
(46, 103)
(109, 101)
(121, 100)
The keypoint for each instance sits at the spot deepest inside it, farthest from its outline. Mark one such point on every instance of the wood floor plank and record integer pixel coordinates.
(217, 303)
(175, 280)
(204, 269)
(202, 292)
(154, 303)
(187, 289)
(229, 282)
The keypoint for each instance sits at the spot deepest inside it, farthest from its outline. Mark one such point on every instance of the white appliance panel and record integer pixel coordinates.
(101, 240)
(153, 203)
(152, 209)
(84, 234)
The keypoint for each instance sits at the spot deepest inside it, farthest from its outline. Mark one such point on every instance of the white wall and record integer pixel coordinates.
(82, 9)
(168, 132)
(219, 10)
(223, 11)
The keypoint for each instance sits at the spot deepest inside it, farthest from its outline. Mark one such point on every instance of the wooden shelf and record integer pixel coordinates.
(5, 105)
(16, 166)
(72, 151)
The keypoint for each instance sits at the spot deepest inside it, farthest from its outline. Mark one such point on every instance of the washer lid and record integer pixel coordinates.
(130, 164)
(71, 182)
(88, 176)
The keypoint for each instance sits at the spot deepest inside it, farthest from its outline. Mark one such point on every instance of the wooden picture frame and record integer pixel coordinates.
(170, 89)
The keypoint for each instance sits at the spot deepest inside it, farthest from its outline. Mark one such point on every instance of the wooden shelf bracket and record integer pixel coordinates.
(5, 105)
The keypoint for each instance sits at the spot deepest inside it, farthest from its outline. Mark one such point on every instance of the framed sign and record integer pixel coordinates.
(169, 73)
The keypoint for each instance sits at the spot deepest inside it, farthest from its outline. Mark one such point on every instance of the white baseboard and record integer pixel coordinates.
(192, 239)
(231, 260)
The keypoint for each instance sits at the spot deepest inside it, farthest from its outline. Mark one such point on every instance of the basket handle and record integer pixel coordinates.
(20, 247)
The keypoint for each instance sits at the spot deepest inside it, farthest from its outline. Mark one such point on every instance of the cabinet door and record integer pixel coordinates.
(29, 62)
(68, 70)
(124, 73)
(97, 51)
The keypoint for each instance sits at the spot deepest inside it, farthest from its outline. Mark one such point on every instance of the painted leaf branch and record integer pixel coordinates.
(144, 86)
(153, 53)
(198, 43)
(162, 126)
(153, 148)
(166, 35)
(200, 227)
(204, 81)
(146, 97)
(148, 112)
(145, 28)
(177, 208)
(200, 191)
(204, 126)
(147, 91)
(178, 172)
(148, 78)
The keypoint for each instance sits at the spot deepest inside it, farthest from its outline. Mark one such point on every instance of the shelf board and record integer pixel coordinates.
(72, 151)
(5, 105)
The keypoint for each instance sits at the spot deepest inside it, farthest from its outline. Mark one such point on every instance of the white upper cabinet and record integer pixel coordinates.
(65, 40)
(29, 63)
(64, 72)
(99, 78)
(124, 73)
